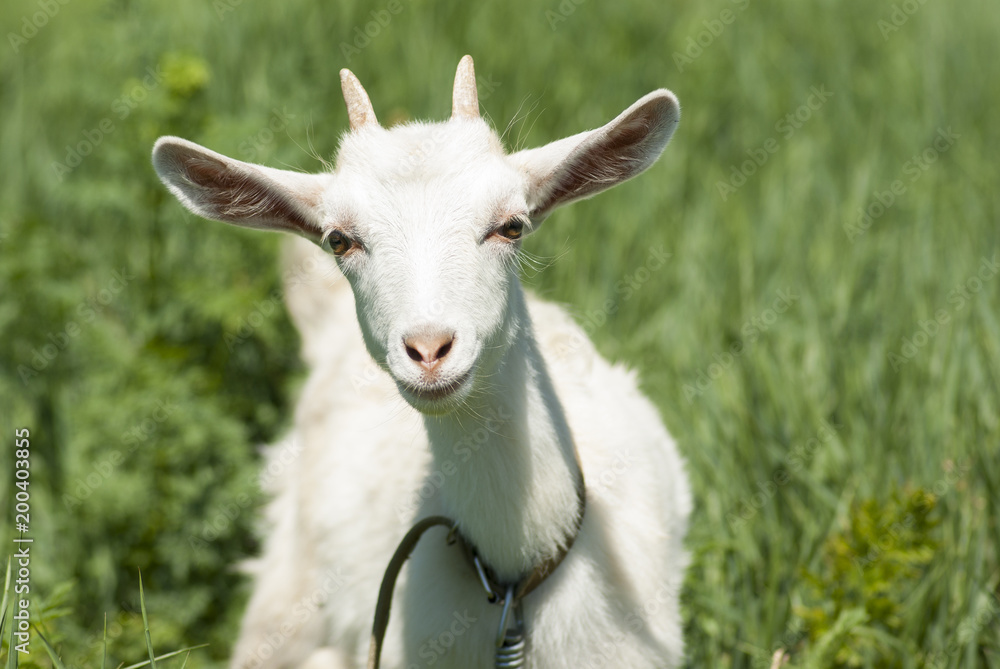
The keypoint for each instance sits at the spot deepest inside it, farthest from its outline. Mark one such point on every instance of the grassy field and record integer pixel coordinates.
(824, 341)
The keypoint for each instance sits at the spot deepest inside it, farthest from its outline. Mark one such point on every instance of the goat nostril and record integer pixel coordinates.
(443, 351)
(413, 353)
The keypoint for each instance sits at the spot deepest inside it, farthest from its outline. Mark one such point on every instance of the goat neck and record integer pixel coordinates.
(512, 481)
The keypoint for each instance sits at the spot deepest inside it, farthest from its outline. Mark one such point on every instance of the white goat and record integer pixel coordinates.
(509, 410)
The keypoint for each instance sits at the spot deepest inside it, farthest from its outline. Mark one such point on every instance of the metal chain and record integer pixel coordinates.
(512, 651)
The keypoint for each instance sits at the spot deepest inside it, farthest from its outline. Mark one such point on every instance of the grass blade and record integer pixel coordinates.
(6, 597)
(11, 653)
(104, 656)
(145, 624)
(167, 655)
(56, 662)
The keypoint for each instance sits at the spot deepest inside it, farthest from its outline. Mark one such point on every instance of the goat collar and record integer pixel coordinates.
(495, 589)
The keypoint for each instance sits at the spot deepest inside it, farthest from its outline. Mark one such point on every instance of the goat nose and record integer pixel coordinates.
(428, 348)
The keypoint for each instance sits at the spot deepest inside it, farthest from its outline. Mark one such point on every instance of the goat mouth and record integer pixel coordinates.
(436, 391)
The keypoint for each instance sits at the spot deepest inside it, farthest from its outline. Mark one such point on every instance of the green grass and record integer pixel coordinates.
(13, 658)
(843, 452)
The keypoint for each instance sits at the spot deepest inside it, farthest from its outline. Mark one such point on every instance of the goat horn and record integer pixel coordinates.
(464, 98)
(359, 107)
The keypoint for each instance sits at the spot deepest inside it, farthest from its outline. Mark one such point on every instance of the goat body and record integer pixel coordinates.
(438, 386)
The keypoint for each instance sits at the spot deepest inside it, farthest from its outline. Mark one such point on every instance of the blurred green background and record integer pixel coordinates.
(823, 342)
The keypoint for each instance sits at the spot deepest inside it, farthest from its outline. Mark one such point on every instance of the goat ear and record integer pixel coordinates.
(253, 196)
(585, 164)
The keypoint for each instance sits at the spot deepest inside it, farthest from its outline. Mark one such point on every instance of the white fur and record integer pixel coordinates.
(371, 451)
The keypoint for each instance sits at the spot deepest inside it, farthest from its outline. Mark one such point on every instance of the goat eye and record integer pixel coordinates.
(337, 243)
(512, 229)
